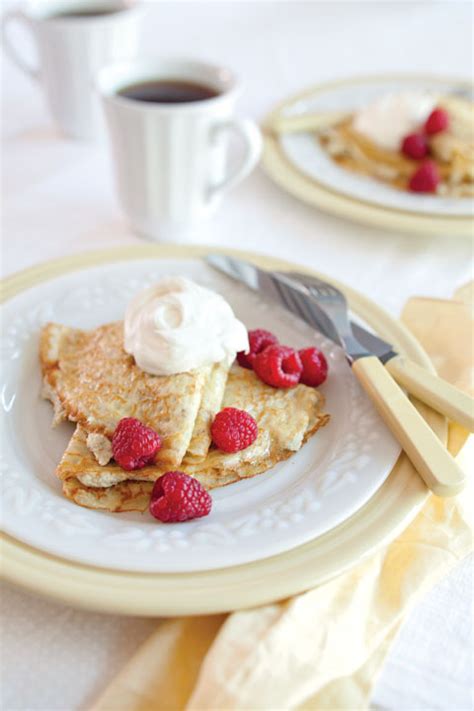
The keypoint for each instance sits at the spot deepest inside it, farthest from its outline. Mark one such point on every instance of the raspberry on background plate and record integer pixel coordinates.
(425, 179)
(233, 430)
(178, 497)
(437, 121)
(415, 146)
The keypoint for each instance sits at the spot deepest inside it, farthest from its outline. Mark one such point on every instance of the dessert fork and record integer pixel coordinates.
(428, 387)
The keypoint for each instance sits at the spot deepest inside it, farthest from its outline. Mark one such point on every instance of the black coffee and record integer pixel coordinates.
(168, 91)
(91, 12)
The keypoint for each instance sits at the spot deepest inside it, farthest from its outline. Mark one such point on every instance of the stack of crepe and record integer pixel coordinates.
(452, 150)
(92, 381)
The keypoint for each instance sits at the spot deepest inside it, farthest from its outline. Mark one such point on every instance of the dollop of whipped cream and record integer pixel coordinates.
(177, 326)
(387, 120)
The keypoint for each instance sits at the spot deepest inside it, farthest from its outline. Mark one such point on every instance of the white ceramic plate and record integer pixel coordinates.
(321, 486)
(306, 154)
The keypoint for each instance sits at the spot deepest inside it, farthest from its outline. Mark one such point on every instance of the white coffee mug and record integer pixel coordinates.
(171, 158)
(72, 44)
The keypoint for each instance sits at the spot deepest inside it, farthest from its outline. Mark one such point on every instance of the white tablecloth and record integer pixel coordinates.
(59, 199)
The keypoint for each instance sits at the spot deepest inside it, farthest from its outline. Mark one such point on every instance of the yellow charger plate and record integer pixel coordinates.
(288, 176)
(388, 512)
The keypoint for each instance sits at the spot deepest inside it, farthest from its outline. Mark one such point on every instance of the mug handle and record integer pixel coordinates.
(9, 18)
(253, 149)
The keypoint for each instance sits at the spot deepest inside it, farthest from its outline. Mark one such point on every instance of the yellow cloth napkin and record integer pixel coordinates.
(322, 649)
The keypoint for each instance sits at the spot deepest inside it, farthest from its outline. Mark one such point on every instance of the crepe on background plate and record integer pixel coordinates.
(452, 150)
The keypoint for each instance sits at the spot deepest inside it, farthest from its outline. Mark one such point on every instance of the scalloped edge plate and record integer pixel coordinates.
(391, 508)
(327, 481)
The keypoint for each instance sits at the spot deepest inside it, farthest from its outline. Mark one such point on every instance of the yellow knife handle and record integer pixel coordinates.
(430, 458)
(434, 391)
(303, 123)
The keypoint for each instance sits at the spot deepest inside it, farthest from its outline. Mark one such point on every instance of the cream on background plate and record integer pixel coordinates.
(333, 475)
(308, 156)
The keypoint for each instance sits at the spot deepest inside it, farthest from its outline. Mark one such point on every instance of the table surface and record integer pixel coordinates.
(58, 199)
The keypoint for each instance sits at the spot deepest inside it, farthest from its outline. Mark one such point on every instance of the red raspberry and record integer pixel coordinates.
(259, 339)
(134, 445)
(279, 366)
(415, 146)
(437, 121)
(233, 430)
(179, 497)
(425, 179)
(315, 367)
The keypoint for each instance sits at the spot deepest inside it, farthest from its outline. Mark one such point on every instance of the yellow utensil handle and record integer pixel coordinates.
(434, 391)
(301, 123)
(431, 459)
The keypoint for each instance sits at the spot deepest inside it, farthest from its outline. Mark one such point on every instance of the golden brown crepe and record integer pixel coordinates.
(91, 380)
(285, 418)
(127, 496)
(210, 405)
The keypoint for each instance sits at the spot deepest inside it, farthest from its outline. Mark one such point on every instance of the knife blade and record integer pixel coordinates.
(376, 345)
(430, 458)
(287, 292)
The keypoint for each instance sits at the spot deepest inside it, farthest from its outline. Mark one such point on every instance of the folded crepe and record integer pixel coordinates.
(285, 419)
(210, 405)
(91, 380)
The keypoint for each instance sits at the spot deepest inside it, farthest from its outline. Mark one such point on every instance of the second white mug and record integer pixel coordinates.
(74, 39)
(170, 153)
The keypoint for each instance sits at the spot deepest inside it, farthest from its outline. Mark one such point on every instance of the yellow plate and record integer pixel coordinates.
(309, 190)
(386, 514)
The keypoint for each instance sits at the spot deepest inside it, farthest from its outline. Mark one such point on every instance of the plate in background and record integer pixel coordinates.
(300, 165)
